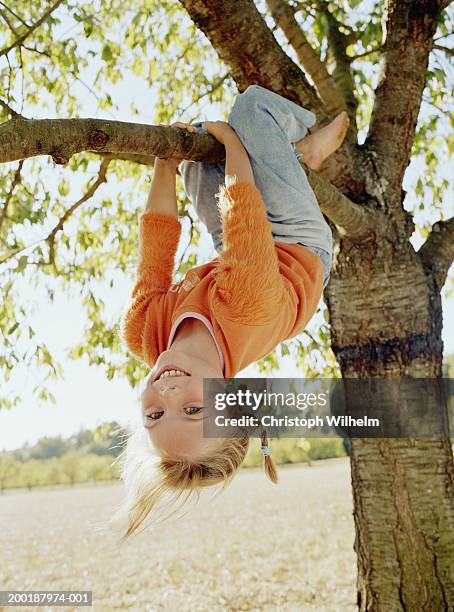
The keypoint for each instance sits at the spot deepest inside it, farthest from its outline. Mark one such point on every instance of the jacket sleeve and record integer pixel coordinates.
(158, 241)
(249, 285)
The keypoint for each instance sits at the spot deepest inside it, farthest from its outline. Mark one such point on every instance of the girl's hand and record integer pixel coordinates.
(171, 162)
(220, 130)
(184, 126)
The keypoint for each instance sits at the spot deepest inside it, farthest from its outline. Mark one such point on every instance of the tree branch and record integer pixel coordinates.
(240, 36)
(14, 114)
(9, 195)
(16, 15)
(62, 138)
(338, 62)
(437, 252)
(244, 42)
(446, 50)
(32, 28)
(353, 220)
(89, 193)
(410, 27)
(284, 16)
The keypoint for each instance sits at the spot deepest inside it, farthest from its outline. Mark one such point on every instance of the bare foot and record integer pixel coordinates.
(316, 147)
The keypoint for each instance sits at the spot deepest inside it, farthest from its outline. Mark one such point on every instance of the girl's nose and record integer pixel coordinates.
(164, 390)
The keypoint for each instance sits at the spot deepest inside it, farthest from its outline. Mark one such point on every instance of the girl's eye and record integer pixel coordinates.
(154, 416)
(191, 410)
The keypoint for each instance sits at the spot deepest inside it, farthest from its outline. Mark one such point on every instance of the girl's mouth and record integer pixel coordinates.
(170, 371)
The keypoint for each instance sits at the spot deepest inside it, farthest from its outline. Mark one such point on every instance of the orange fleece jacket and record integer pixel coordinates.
(256, 293)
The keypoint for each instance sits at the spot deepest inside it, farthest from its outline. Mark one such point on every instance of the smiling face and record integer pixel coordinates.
(172, 405)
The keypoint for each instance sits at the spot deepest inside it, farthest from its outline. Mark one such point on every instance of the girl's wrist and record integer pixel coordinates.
(166, 165)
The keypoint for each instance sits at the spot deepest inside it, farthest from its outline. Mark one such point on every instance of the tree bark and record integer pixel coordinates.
(385, 313)
(410, 27)
(62, 138)
(403, 541)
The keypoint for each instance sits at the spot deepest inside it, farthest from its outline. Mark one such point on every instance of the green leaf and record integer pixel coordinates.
(107, 53)
(13, 328)
(21, 264)
(284, 350)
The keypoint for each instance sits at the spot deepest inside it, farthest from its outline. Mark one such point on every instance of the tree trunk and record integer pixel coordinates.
(409, 564)
(386, 321)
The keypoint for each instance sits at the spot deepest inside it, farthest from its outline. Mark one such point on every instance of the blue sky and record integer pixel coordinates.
(85, 398)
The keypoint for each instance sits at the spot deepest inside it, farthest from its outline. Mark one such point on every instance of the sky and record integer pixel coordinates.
(86, 398)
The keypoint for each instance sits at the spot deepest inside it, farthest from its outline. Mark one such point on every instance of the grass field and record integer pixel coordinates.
(255, 547)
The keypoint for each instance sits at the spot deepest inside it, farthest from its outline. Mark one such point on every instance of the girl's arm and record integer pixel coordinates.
(162, 197)
(159, 232)
(237, 165)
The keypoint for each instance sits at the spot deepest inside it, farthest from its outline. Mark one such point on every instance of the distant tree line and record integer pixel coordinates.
(89, 456)
(106, 439)
(85, 456)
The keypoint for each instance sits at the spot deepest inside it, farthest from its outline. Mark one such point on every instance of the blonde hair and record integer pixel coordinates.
(150, 479)
(268, 464)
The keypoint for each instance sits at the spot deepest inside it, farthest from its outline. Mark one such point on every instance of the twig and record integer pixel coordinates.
(9, 195)
(89, 193)
(207, 92)
(14, 114)
(32, 28)
(359, 55)
(443, 36)
(50, 239)
(446, 50)
(18, 17)
(8, 23)
(38, 51)
(191, 235)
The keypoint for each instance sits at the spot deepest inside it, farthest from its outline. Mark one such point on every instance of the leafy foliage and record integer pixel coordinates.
(145, 62)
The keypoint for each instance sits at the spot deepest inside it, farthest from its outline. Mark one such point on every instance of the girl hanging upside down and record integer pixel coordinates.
(274, 252)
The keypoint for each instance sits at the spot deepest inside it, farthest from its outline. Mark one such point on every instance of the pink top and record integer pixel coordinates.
(205, 321)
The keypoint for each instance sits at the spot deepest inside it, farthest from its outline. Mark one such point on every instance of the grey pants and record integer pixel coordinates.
(268, 125)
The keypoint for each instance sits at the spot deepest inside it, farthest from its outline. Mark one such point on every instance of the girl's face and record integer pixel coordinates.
(172, 405)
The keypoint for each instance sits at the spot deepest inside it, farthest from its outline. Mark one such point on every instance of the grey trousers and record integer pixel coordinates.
(268, 125)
